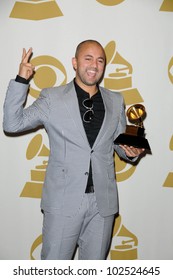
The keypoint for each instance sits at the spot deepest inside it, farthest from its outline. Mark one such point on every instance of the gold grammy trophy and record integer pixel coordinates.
(134, 135)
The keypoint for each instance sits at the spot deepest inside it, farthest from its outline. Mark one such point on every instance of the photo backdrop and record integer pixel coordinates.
(138, 39)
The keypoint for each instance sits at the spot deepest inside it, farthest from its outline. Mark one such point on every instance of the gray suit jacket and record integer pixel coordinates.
(70, 153)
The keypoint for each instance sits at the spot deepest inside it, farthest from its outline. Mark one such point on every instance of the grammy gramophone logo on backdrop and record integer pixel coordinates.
(167, 6)
(36, 9)
(36, 149)
(118, 77)
(124, 243)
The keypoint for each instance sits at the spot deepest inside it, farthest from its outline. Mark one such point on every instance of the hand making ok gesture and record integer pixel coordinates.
(26, 69)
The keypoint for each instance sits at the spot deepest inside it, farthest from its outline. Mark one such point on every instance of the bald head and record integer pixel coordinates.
(85, 43)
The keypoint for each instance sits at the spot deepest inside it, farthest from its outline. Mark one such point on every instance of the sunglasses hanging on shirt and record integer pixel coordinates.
(89, 114)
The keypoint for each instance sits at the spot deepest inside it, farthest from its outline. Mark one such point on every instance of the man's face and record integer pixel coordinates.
(89, 64)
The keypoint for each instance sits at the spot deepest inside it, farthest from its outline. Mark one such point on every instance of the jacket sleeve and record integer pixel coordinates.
(16, 118)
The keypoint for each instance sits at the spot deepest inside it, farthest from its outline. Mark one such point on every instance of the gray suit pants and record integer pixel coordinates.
(87, 229)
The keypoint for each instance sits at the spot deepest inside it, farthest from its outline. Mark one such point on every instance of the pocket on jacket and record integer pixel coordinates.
(56, 170)
(54, 186)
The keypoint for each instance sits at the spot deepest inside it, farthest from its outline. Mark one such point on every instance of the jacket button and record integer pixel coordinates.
(92, 151)
(86, 173)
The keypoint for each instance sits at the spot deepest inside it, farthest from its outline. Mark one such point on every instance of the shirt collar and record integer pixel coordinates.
(82, 94)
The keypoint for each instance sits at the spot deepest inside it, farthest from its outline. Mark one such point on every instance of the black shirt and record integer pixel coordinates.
(92, 128)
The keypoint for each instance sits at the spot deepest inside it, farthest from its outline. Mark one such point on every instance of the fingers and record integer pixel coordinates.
(26, 55)
(26, 69)
(132, 151)
(23, 54)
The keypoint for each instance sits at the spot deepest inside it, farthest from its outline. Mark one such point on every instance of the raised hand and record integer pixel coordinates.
(26, 69)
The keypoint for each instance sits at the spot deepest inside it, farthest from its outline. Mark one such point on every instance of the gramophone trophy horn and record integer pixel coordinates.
(135, 134)
(136, 114)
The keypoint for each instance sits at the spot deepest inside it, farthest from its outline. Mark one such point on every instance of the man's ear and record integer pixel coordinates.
(74, 63)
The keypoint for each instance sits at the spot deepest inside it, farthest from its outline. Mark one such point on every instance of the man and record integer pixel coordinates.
(82, 120)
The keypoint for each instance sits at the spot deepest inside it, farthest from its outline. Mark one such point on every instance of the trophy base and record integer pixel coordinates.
(133, 140)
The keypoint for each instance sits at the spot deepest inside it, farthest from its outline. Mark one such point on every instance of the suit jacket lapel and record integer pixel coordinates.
(71, 103)
(107, 118)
